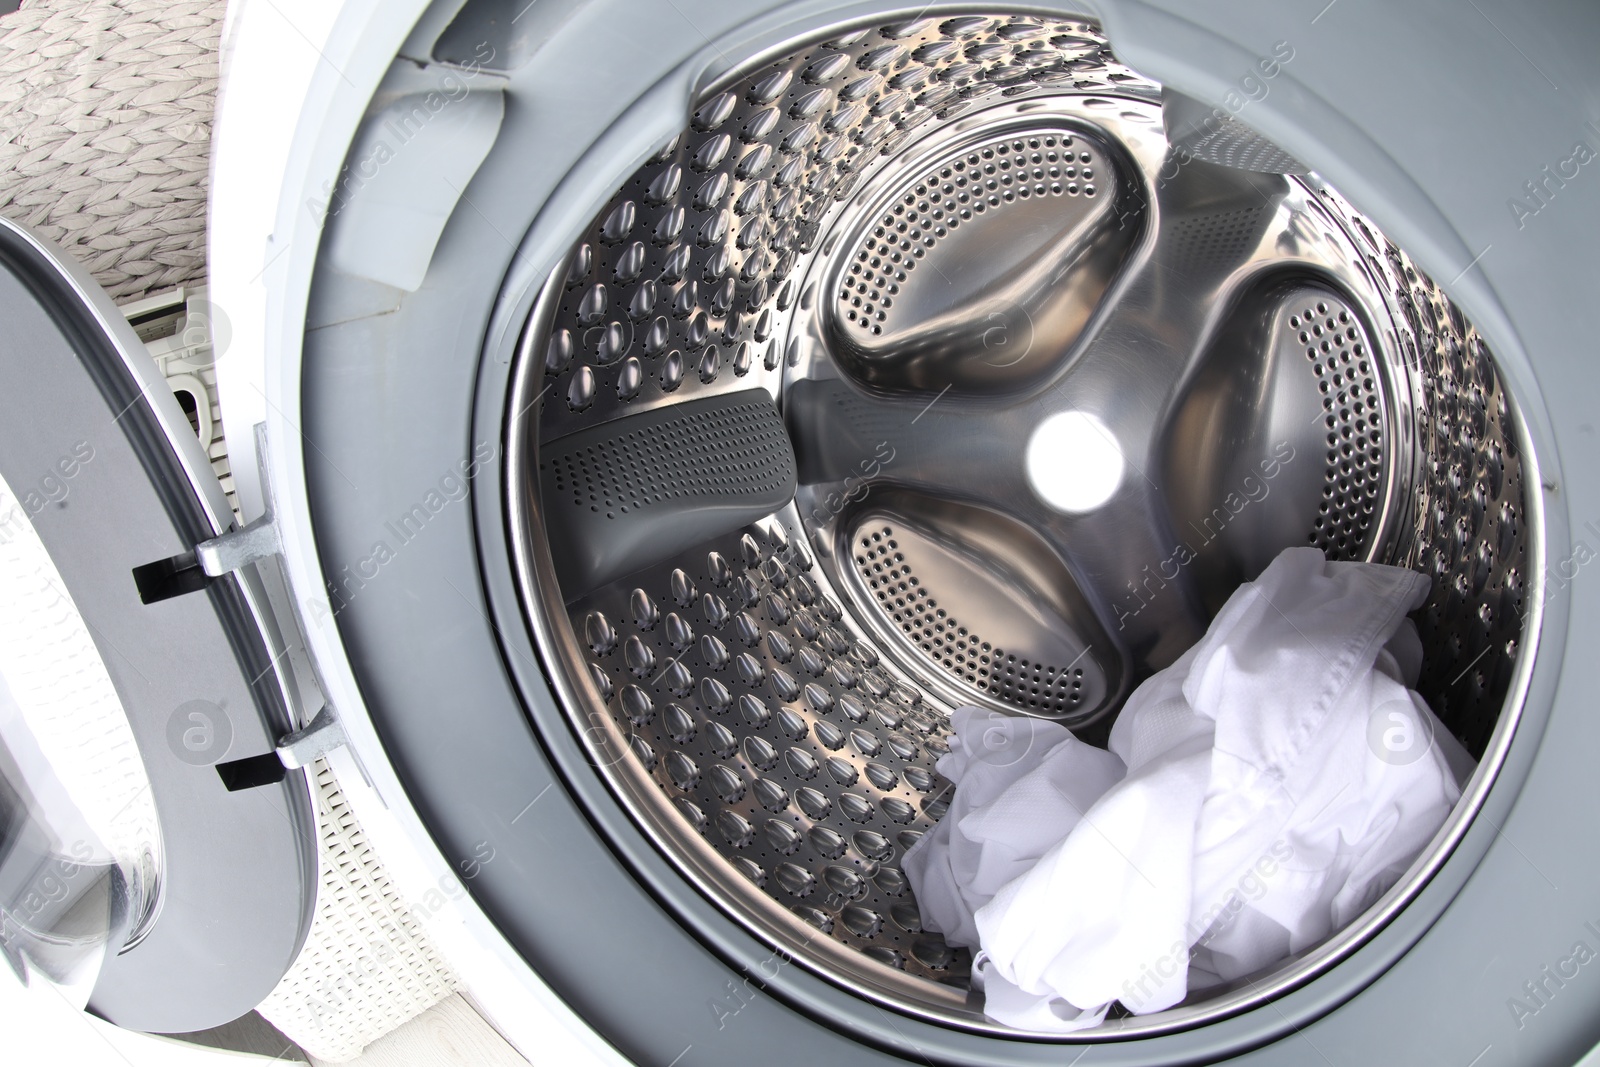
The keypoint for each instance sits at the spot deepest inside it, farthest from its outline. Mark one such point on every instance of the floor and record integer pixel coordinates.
(42, 1026)
(449, 1033)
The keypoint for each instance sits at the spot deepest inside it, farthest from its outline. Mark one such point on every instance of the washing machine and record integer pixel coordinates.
(651, 419)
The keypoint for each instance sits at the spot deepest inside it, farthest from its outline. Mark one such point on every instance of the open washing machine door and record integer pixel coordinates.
(669, 477)
(157, 855)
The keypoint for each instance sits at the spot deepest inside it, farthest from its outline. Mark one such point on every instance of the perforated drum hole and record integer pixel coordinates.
(1036, 687)
(1354, 459)
(936, 205)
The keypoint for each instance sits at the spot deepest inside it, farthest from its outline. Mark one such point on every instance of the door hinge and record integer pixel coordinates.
(316, 739)
(250, 543)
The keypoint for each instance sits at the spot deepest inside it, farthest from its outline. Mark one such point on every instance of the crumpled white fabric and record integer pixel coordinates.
(1258, 794)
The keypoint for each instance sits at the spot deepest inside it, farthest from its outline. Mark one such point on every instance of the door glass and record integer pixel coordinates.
(80, 847)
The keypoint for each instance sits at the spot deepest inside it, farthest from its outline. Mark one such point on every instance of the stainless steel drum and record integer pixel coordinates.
(952, 362)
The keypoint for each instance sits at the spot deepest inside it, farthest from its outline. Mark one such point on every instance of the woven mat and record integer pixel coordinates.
(105, 128)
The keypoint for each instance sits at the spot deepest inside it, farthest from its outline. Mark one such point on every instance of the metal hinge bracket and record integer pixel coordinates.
(316, 739)
(250, 543)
